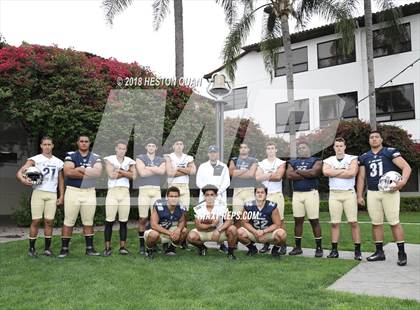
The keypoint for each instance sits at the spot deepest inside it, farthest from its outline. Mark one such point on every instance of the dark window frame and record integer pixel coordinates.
(385, 46)
(342, 118)
(338, 55)
(233, 101)
(276, 55)
(413, 109)
(298, 124)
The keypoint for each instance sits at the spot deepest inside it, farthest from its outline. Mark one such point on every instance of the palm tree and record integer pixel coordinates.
(277, 34)
(160, 11)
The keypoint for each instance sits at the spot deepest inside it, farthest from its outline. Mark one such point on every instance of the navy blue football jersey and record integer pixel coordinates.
(260, 219)
(86, 161)
(376, 165)
(306, 184)
(243, 164)
(166, 218)
(153, 179)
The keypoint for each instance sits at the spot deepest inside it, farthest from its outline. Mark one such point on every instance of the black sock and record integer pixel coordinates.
(108, 230)
(298, 241)
(89, 242)
(47, 243)
(334, 246)
(32, 243)
(141, 238)
(230, 250)
(357, 247)
(379, 246)
(318, 242)
(123, 231)
(251, 245)
(400, 246)
(275, 248)
(65, 243)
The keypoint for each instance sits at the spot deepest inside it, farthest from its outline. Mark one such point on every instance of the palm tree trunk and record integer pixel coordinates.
(284, 19)
(370, 65)
(179, 39)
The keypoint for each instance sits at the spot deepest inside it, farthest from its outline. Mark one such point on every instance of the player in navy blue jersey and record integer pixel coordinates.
(304, 172)
(81, 169)
(167, 223)
(374, 164)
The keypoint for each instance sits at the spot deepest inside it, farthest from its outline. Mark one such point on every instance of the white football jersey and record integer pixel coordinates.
(180, 162)
(125, 165)
(50, 168)
(267, 166)
(340, 183)
(219, 211)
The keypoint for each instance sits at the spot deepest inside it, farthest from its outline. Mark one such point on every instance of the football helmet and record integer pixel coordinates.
(388, 181)
(35, 175)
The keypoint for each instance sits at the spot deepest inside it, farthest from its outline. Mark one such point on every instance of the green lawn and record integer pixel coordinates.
(185, 281)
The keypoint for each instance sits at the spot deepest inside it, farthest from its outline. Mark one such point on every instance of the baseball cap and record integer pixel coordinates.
(213, 148)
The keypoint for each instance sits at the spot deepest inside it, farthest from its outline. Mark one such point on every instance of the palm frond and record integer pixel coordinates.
(160, 11)
(114, 7)
(230, 9)
(391, 15)
(271, 40)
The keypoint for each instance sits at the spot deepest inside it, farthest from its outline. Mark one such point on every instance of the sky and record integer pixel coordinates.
(80, 24)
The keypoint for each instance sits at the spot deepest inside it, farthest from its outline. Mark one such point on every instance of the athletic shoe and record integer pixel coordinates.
(319, 252)
(231, 256)
(202, 251)
(283, 250)
(48, 252)
(170, 251)
(150, 254)
(107, 252)
(157, 249)
(32, 252)
(123, 251)
(358, 256)
(142, 250)
(63, 253)
(265, 248)
(333, 254)
(92, 252)
(377, 256)
(252, 250)
(402, 259)
(275, 252)
(223, 248)
(296, 251)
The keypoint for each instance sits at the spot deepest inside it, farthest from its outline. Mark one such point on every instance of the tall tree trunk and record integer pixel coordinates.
(370, 65)
(179, 39)
(284, 19)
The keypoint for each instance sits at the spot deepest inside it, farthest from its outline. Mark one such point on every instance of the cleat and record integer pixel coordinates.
(223, 248)
(275, 252)
(377, 256)
(319, 252)
(149, 254)
(123, 251)
(252, 251)
(184, 246)
(142, 250)
(157, 249)
(107, 252)
(171, 250)
(48, 252)
(265, 248)
(202, 251)
(283, 250)
(92, 252)
(402, 259)
(357, 256)
(63, 253)
(333, 254)
(296, 251)
(32, 252)
(231, 256)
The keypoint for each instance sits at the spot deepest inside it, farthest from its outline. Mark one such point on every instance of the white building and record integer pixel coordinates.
(328, 84)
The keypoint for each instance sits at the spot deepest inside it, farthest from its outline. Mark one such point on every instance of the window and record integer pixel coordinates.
(395, 103)
(237, 99)
(301, 116)
(336, 107)
(384, 42)
(330, 53)
(300, 61)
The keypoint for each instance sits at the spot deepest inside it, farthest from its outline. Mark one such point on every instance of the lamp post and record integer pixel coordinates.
(219, 88)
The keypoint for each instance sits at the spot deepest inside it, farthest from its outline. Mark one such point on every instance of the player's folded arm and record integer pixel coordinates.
(71, 171)
(94, 171)
(292, 174)
(277, 176)
(313, 172)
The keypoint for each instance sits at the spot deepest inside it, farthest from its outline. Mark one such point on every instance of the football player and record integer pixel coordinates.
(44, 199)
(150, 168)
(167, 223)
(270, 172)
(261, 223)
(373, 164)
(81, 169)
(120, 170)
(215, 173)
(341, 170)
(304, 172)
(212, 223)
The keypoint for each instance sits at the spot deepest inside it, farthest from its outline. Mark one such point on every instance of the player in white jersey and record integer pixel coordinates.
(120, 170)
(341, 170)
(44, 199)
(270, 172)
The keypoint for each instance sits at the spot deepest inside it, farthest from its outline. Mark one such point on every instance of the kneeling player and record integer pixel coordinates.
(261, 223)
(212, 224)
(167, 223)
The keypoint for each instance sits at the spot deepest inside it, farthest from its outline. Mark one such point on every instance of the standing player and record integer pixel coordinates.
(304, 172)
(341, 170)
(44, 200)
(242, 170)
(81, 168)
(270, 172)
(214, 172)
(120, 170)
(167, 223)
(150, 168)
(261, 223)
(212, 223)
(373, 164)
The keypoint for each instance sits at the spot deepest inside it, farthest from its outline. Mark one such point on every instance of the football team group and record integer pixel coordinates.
(257, 215)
